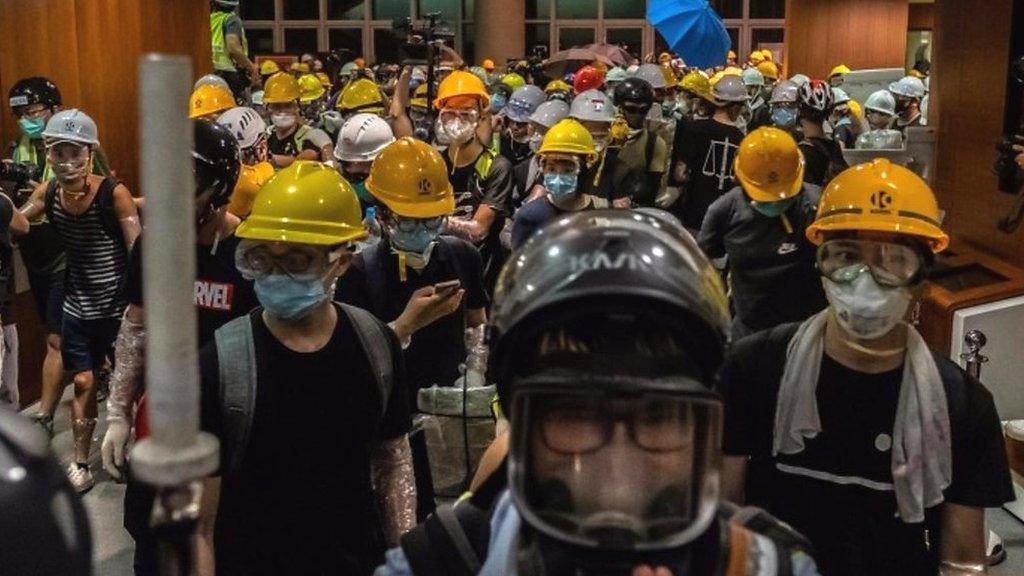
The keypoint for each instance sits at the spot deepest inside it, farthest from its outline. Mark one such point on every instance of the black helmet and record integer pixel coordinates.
(634, 90)
(608, 262)
(44, 525)
(215, 152)
(34, 90)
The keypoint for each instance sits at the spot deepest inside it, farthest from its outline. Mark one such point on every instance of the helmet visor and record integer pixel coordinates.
(614, 471)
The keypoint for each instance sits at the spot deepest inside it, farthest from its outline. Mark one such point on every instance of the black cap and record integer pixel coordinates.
(34, 90)
(215, 152)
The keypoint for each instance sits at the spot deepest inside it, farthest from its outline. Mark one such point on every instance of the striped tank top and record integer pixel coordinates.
(96, 263)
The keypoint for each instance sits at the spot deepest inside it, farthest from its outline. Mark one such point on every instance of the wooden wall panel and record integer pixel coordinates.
(860, 34)
(968, 92)
(921, 17)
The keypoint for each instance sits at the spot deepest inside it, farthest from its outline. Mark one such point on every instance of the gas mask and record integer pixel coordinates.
(864, 308)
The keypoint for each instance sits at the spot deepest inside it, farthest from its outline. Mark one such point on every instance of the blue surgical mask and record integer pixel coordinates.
(783, 117)
(498, 102)
(772, 209)
(560, 186)
(32, 127)
(287, 298)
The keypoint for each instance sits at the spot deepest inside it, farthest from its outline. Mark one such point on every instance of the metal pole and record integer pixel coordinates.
(176, 456)
(973, 358)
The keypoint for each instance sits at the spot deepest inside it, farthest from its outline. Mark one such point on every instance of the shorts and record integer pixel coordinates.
(48, 293)
(85, 344)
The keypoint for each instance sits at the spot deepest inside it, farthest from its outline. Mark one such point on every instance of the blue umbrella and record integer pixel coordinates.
(692, 29)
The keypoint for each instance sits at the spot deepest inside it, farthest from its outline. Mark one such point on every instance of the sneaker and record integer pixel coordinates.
(81, 478)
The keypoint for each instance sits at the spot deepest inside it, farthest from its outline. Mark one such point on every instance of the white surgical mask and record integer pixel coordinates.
(459, 130)
(283, 120)
(865, 309)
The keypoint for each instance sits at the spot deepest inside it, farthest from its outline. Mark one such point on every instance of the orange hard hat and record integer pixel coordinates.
(587, 78)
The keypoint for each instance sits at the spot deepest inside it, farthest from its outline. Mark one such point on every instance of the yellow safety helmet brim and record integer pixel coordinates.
(300, 232)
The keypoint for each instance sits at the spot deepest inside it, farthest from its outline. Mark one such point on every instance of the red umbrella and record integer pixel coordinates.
(571, 60)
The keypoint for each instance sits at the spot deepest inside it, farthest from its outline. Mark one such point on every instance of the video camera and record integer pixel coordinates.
(420, 47)
(20, 174)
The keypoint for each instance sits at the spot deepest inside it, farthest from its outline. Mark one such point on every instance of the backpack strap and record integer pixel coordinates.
(755, 522)
(373, 265)
(376, 343)
(108, 214)
(236, 356)
(451, 541)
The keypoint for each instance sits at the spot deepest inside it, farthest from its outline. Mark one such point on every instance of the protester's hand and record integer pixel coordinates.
(651, 571)
(425, 307)
(667, 197)
(115, 442)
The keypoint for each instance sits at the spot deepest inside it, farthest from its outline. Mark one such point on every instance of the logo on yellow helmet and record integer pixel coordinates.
(426, 187)
(881, 200)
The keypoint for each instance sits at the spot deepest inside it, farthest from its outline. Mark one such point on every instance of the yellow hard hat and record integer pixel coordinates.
(768, 56)
(268, 67)
(839, 70)
(513, 80)
(756, 57)
(768, 70)
(324, 79)
(462, 83)
(311, 88)
(879, 196)
(557, 86)
(306, 203)
(281, 88)
(669, 75)
(856, 109)
(299, 68)
(410, 177)
(568, 136)
(697, 84)
(419, 97)
(731, 55)
(769, 165)
(487, 64)
(361, 94)
(250, 180)
(209, 99)
(732, 71)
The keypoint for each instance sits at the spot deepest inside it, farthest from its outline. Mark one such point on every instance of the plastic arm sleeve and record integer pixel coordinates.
(395, 485)
(129, 362)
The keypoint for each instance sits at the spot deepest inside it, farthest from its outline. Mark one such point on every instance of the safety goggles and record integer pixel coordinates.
(560, 166)
(455, 114)
(256, 260)
(33, 112)
(410, 225)
(891, 264)
(67, 152)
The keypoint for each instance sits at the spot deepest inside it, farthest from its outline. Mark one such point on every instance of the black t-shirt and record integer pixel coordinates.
(773, 274)
(302, 501)
(513, 151)
(838, 491)
(287, 145)
(533, 215)
(435, 352)
(495, 190)
(708, 149)
(824, 160)
(844, 135)
(221, 294)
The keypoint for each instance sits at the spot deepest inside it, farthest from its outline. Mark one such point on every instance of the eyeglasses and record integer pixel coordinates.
(37, 111)
(891, 264)
(255, 260)
(585, 425)
(464, 114)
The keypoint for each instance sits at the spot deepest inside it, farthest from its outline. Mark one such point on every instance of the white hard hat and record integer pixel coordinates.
(592, 105)
(753, 77)
(246, 125)
(785, 92)
(362, 137)
(652, 74)
(730, 88)
(908, 87)
(839, 96)
(211, 80)
(800, 79)
(632, 69)
(257, 97)
(71, 126)
(523, 102)
(881, 101)
(549, 113)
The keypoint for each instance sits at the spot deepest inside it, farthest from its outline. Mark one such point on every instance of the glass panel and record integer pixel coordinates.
(468, 44)
(728, 8)
(576, 9)
(300, 40)
(390, 9)
(538, 9)
(467, 10)
(767, 8)
(261, 41)
(345, 9)
(569, 37)
(537, 35)
(301, 9)
(629, 38)
(623, 9)
(734, 37)
(257, 10)
(385, 45)
(449, 9)
(346, 39)
(759, 36)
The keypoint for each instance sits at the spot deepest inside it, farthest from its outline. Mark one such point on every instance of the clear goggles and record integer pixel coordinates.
(67, 152)
(257, 260)
(409, 225)
(455, 114)
(558, 165)
(611, 472)
(891, 264)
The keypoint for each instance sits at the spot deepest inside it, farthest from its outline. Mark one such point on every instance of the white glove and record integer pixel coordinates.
(667, 197)
(114, 444)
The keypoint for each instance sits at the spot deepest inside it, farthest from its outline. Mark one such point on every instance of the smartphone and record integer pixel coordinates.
(446, 287)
